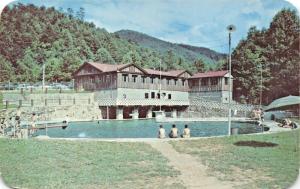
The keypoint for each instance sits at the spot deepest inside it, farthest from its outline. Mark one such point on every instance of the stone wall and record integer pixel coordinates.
(206, 108)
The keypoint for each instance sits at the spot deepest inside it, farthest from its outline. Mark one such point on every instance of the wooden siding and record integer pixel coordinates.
(87, 70)
(146, 83)
(96, 82)
(212, 84)
(132, 69)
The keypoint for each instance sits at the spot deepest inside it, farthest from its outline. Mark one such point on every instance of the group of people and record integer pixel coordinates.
(258, 114)
(174, 132)
(287, 123)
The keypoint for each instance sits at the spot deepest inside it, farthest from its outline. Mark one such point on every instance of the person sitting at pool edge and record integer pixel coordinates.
(174, 132)
(186, 132)
(161, 132)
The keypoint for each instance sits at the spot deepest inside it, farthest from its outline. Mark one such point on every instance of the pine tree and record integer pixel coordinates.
(80, 14)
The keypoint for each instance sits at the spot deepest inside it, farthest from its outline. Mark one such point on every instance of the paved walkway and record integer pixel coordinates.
(193, 173)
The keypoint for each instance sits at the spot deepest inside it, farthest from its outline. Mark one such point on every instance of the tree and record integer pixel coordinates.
(70, 12)
(132, 57)
(200, 66)
(53, 70)
(284, 60)
(170, 60)
(80, 14)
(28, 69)
(104, 56)
(220, 64)
(268, 52)
(6, 70)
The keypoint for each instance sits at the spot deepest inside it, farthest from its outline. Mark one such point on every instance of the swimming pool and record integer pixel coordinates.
(142, 129)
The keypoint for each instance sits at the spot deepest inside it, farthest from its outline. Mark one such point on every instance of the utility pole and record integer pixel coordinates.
(160, 97)
(43, 82)
(260, 94)
(230, 29)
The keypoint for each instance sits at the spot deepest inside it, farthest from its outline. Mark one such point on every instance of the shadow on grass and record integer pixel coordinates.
(253, 143)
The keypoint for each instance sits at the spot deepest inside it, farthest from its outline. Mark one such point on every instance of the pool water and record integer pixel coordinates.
(142, 129)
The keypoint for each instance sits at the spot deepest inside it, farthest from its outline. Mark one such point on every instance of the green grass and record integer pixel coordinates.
(73, 164)
(3, 106)
(249, 167)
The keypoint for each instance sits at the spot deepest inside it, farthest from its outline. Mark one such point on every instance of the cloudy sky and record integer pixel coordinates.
(194, 22)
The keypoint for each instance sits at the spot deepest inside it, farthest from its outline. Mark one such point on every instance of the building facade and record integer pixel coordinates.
(128, 91)
(210, 85)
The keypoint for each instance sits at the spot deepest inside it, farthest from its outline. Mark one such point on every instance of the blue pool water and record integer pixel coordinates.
(142, 129)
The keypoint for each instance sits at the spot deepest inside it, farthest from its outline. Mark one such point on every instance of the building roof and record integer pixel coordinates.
(157, 72)
(283, 103)
(107, 67)
(210, 74)
(116, 67)
(176, 72)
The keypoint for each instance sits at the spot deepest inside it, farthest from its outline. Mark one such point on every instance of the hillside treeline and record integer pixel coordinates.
(32, 36)
(271, 54)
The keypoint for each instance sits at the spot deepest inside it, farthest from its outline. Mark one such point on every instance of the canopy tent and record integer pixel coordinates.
(283, 103)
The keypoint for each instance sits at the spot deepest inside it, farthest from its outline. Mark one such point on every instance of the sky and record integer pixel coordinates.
(194, 22)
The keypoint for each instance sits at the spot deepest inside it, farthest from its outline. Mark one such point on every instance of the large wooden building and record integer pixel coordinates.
(129, 91)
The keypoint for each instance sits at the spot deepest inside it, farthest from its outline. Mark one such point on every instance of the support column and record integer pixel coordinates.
(149, 112)
(174, 113)
(119, 112)
(107, 112)
(135, 113)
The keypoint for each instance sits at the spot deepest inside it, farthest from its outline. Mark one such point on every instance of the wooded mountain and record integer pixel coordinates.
(32, 36)
(189, 53)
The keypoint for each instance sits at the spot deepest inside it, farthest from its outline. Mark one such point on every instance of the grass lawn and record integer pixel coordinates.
(78, 164)
(260, 167)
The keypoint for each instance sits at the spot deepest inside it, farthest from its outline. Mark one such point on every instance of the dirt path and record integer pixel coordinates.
(193, 173)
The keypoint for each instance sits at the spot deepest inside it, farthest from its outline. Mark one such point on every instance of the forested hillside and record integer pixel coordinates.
(187, 52)
(32, 36)
(270, 54)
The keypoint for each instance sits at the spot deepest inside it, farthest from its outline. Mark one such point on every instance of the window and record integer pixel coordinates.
(146, 95)
(125, 77)
(226, 80)
(169, 96)
(214, 81)
(204, 81)
(143, 79)
(163, 95)
(152, 94)
(175, 81)
(134, 78)
(152, 79)
(158, 96)
(108, 78)
(168, 81)
(183, 82)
